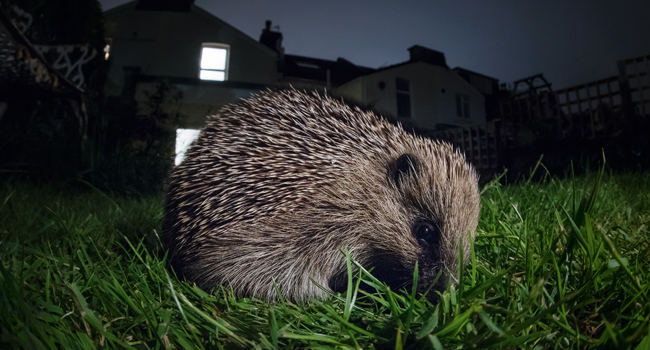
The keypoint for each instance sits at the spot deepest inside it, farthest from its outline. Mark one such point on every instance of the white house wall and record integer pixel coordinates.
(430, 106)
(354, 91)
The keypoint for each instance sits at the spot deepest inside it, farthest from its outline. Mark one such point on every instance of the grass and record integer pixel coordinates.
(556, 264)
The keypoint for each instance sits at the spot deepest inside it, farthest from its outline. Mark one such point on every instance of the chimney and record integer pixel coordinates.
(271, 39)
(424, 54)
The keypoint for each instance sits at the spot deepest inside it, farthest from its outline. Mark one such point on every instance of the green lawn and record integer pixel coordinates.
(553, 267)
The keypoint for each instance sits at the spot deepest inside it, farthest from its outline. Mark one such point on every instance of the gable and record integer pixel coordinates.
(168, 43)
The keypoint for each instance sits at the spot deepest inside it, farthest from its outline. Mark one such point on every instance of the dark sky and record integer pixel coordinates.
(569, 41)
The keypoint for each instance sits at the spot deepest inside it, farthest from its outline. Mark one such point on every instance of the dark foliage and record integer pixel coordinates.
(118, 147)
(42, 132)
(626, 149)
(135, 149)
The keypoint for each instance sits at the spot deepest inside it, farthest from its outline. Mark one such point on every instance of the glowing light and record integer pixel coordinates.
(107, 52)
(214, 62)
(217, 75)
(184, 138)
(213, 58)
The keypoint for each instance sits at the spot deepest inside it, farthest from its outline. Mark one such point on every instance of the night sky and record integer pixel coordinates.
(571, 42)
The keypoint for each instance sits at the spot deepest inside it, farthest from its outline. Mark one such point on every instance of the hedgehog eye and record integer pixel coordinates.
(427, 234)
(404, 165)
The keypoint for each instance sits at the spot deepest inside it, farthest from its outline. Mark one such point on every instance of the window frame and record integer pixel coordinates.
(463, 106)
(404, 94)
(214, 45)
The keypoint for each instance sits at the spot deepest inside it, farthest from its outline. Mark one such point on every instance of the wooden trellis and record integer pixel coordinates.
(478, 143)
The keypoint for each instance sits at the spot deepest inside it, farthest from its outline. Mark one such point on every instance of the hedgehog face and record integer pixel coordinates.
(432, 208)
(397, 271)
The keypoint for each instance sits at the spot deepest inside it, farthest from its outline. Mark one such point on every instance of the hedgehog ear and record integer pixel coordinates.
(404, 165)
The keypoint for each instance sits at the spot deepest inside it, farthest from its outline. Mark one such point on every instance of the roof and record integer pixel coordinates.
(165, 5)
(461, 79)
(381, 69)
(191, 6)
(340, 71)
(461, 70)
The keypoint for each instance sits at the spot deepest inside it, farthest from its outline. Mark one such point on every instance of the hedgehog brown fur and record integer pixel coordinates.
(278, 185)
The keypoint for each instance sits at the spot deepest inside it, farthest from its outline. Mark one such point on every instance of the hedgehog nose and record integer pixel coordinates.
(431, 282)
(434, 296)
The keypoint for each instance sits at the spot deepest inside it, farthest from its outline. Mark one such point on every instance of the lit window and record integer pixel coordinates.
(214, 62)
(184, 138)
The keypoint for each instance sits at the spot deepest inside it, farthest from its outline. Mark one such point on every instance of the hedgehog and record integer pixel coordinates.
(278, 186)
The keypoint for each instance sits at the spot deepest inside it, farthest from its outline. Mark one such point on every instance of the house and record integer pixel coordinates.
(424, 94)
(207, 63)
(421, 92)
(307, 72)
(488, 86)
(634, 74)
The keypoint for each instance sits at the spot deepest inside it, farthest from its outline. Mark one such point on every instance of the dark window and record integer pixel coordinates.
(403, 105)
(403, 98)
(462, 106)
(402, 84)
